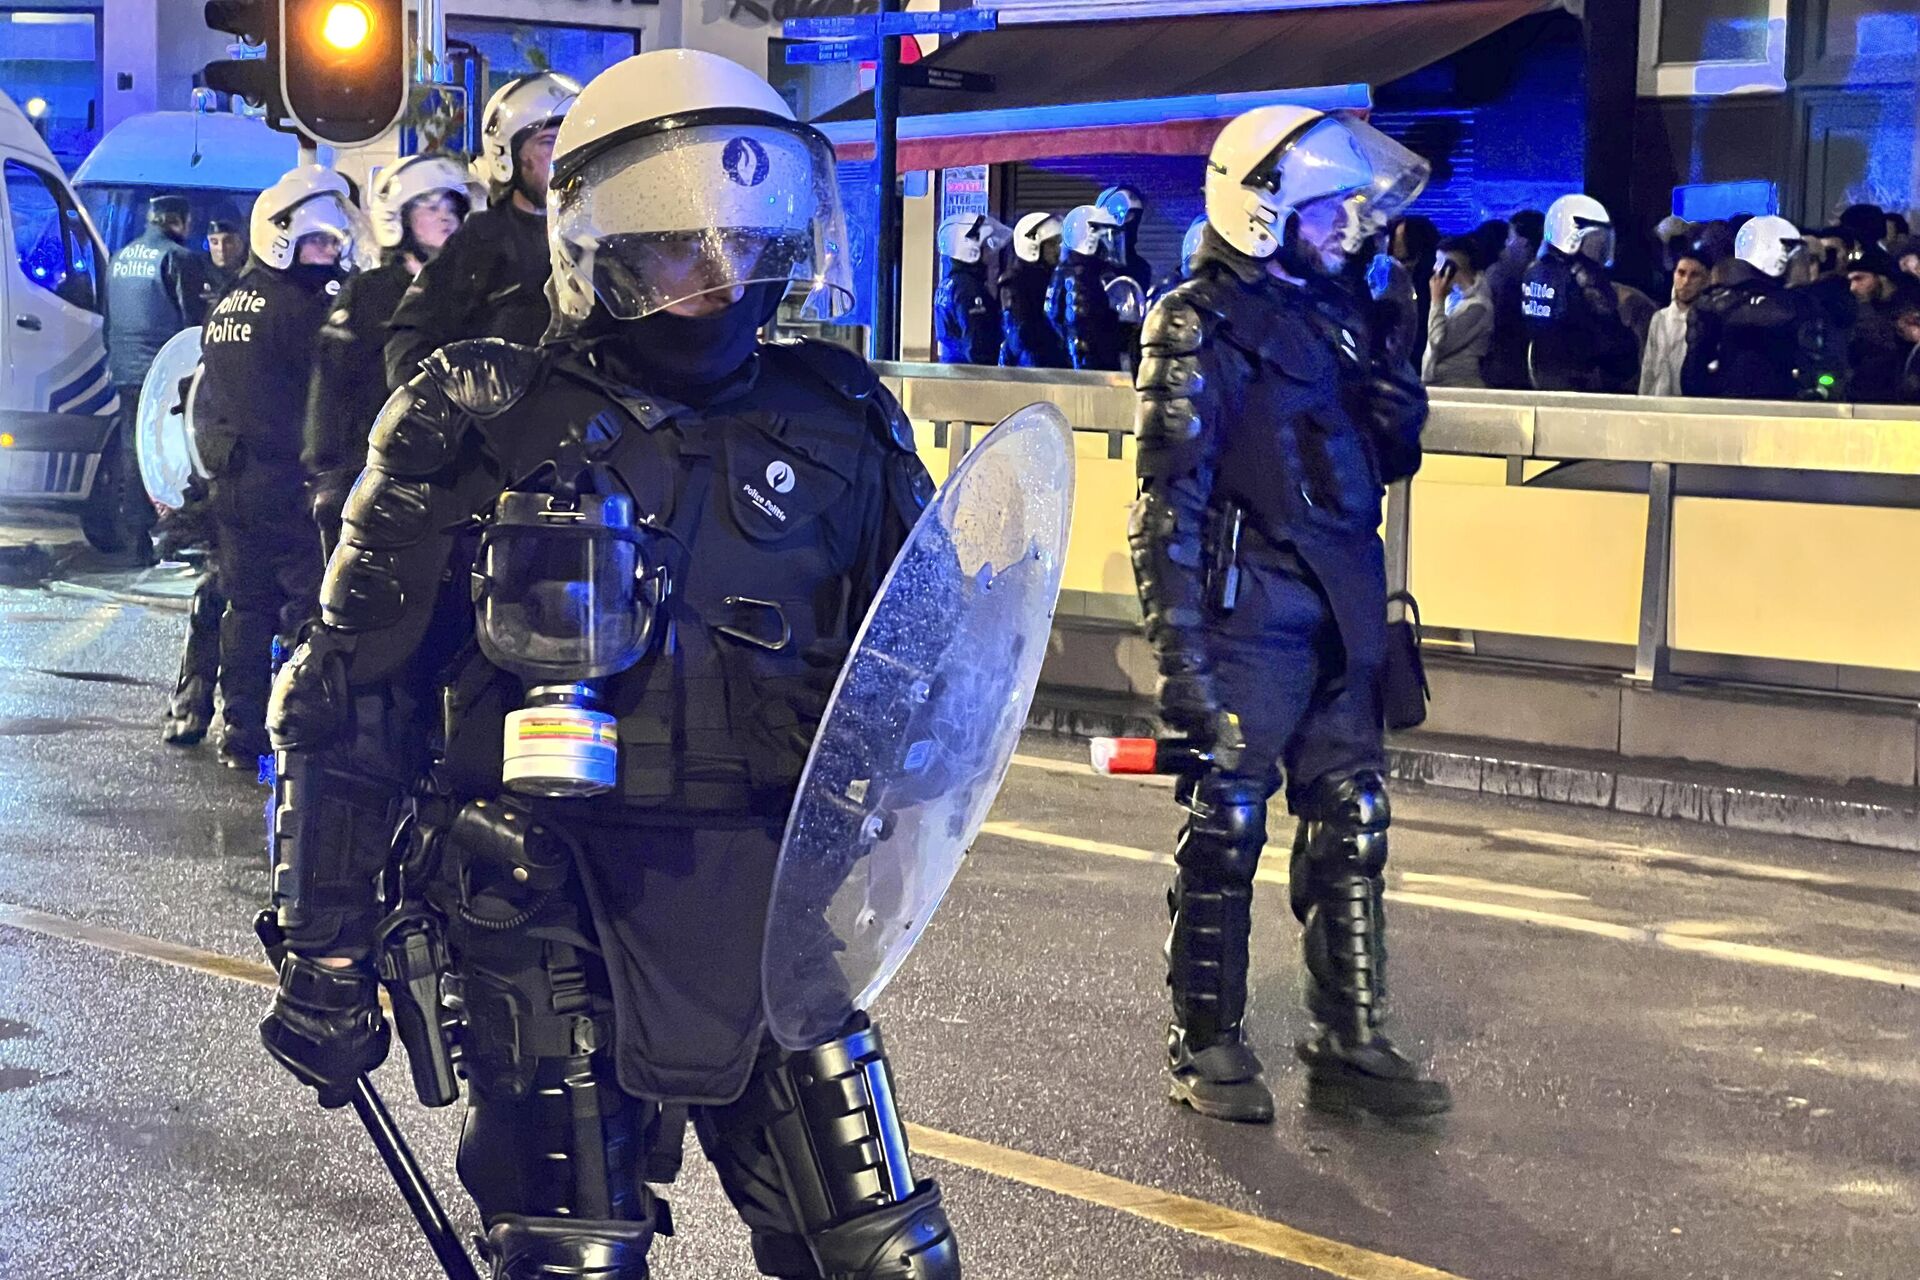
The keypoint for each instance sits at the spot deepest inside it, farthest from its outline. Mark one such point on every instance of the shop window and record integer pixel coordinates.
(1711, 48)
(50, 240)
(50, 67)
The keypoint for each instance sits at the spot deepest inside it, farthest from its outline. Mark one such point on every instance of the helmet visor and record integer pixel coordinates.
(1342, 155)
(706, 209)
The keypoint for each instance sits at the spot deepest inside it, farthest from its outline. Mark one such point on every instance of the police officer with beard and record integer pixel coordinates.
(605, 901)
(1077, 303)
(257, 354)
(1577, 340)
(416, 205)
(490, 280)
(1030, 341)
(1753, 338)
(966, 315)
(1269, 424)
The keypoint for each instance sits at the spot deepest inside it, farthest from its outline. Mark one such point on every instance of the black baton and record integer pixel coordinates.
(407, 1175)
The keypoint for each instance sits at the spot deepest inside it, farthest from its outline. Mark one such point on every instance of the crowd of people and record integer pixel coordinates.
(1742, 308)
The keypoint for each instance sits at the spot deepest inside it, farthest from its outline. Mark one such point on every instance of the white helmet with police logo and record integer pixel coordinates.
(679, 174)
(966, 236)
(1031, 233)
(1088, 230)
(1269, 162)
(309, 200)
(399, 185)
(1579, 224)
(521, 106)
(1765, 243)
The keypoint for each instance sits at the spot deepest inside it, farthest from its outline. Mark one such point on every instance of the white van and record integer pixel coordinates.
(57, 405)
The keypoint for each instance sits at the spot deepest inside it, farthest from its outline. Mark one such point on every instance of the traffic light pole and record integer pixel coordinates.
(430, 55)
(884, 341)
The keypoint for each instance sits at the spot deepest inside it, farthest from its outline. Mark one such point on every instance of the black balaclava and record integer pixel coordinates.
(689, 354)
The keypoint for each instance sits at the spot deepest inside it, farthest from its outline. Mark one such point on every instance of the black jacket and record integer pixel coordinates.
(257, 351)
(1576, 338)
(1756, 339)
(1080, 313)
(1029, 340)
(488, 281)
(1876, 352)
(349, 379)
(1271, 398)
(156, 287)
(966, 316)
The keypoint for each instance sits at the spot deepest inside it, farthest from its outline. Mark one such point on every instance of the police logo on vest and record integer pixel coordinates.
(226, 325)
(780, 476)
(1537, 300)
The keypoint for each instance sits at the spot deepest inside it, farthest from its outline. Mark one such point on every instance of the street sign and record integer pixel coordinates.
(834, 51)
(240, 52)
(875, 25)
(919, 75)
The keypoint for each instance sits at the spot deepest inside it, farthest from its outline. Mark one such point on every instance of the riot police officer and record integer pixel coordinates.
(966, 315)
(1127, 207)
(1077, 303)
(1189, 252)
(1753, 338)
(656, 679)
(257, 353)
(491, 278)
(416, 205)
(1576, 338)
(1030, 341)
(1269, 423)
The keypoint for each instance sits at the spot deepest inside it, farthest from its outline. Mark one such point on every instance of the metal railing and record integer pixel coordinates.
(1858, 455)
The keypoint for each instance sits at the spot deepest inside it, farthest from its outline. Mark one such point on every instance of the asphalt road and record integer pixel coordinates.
(1678, 1052)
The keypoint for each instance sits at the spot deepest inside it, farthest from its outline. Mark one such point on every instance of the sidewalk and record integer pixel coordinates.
(1876, 815)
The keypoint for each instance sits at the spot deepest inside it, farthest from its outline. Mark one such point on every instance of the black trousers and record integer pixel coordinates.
(267, 553)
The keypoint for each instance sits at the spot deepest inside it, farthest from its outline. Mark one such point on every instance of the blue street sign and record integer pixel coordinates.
(246, 52)
(834, 51)
(873, 25)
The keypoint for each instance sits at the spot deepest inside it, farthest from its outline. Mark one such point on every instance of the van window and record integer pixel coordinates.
(49, 238)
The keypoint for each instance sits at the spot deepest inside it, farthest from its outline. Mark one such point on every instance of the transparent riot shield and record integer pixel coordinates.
(921, 727)
(1128, 299)
(163, 424)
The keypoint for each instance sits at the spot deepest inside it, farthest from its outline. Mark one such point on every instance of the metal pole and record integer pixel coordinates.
(412, 1182)
(1651, 654)
(884, 341)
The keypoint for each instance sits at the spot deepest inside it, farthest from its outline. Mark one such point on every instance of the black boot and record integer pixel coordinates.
(242, 747)
(1339, 854)
(1214, 1071)
(189, 714)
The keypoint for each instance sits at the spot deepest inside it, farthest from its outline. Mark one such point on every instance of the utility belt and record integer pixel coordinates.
(1227, 535)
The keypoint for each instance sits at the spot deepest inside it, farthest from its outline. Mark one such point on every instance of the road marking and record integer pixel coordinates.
(1491, 886)
(1687, 938)
(1258, 1235)
(1164, 1208)
(1586, 846)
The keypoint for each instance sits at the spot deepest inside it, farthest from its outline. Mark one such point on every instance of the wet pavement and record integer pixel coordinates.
(1678, 1052)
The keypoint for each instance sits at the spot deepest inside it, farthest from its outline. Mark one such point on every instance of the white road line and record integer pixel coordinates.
(1688, 938)
(1476, 884)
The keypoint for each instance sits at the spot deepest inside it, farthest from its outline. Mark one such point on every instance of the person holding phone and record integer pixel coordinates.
(1460, 317)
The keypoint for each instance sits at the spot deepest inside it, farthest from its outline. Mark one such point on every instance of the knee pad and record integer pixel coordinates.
(578, 1248)
(1227, 828)
(1347, 825)
(908, 1240)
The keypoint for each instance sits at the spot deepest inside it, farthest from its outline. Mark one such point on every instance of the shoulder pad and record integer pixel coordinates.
(897, 427)
(1178, 323)
(845, 371)
(416, 431)
(484, 376)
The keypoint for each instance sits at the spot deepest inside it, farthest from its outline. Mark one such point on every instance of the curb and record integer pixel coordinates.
(173, 604)
(1623, 788)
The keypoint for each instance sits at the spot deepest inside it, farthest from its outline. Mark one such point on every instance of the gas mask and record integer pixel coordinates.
(567, 589)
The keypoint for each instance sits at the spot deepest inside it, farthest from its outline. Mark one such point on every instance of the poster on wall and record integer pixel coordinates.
(963, 190)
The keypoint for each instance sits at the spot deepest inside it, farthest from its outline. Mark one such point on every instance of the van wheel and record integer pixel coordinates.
(117, 517)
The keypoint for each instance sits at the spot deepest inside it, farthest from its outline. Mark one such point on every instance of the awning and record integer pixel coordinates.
(1160, 86)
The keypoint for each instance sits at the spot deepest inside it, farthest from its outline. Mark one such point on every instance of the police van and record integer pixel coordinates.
(57, 403)
(60, 442)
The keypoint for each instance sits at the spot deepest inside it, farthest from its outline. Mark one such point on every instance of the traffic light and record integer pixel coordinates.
(343, 67)
(255, 74)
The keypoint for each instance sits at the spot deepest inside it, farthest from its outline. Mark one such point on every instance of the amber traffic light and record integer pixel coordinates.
(343, 67)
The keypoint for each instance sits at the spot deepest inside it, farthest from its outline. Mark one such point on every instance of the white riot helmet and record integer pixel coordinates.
(1269, 162)
(1580, 224)
(1766, 243)
(1124, 203)
(1031, 233)
(1190, 244)
(1088, 230)
(679, 173)
(309, 200)
(964, 237)
(521, 106)
(399, 185)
